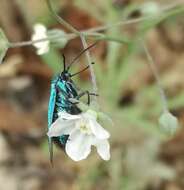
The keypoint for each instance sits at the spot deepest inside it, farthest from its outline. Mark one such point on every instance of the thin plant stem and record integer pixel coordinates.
(172, 5)
(157, 78)
(70, 36)
(120, 23)
(88, 57)
(136, 20)
(60, 20)
(31, 42)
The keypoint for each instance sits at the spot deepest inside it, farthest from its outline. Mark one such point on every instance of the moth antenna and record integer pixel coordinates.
(64, 64)
(83, 51)
(82, 70)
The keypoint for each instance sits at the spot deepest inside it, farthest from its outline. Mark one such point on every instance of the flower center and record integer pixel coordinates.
(84, 128)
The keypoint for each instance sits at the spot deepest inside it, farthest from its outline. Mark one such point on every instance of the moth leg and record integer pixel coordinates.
(84, 93)
(78, 89)
(88, 95)
(93, 94)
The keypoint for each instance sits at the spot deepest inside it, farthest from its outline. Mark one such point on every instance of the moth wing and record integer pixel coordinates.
(51, 107)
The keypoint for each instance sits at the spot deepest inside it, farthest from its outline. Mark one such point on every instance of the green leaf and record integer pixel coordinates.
(3, 45)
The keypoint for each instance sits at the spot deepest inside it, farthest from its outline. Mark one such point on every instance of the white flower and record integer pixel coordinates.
(84, 131)
(40, 32)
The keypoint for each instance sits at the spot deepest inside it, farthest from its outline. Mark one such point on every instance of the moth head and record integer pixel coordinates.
(65, 75)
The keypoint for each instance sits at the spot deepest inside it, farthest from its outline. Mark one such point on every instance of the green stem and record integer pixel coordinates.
(113, 39)
(141, 19)
(157, 78)
(31, 42)
(97, 36)
(60, 20)
(88, 57)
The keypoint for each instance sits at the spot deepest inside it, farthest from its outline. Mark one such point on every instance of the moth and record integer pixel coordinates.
(62, 90)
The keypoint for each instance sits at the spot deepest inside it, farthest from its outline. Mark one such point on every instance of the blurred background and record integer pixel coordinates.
(143, 157)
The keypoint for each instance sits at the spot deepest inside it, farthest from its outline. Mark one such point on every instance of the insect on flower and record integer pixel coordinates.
(63, 89)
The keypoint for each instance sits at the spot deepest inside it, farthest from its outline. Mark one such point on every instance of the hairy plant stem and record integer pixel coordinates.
(88, 57)
(31, 42)
(60, 20)
(70, 36)
(157, 78)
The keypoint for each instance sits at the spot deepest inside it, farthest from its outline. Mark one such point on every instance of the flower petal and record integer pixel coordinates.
(78, 146)
(65, 115)
(61, 127)
(98, 130)
(40, 32)
(91, 114)
(40, 28)
(103, 148)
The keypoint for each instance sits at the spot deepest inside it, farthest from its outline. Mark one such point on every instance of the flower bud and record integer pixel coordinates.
(57, 37)
(168, 122)
(3, 45)
(150, 8)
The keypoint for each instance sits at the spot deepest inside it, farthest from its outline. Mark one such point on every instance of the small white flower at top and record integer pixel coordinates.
(84, 131)
(40, 32)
